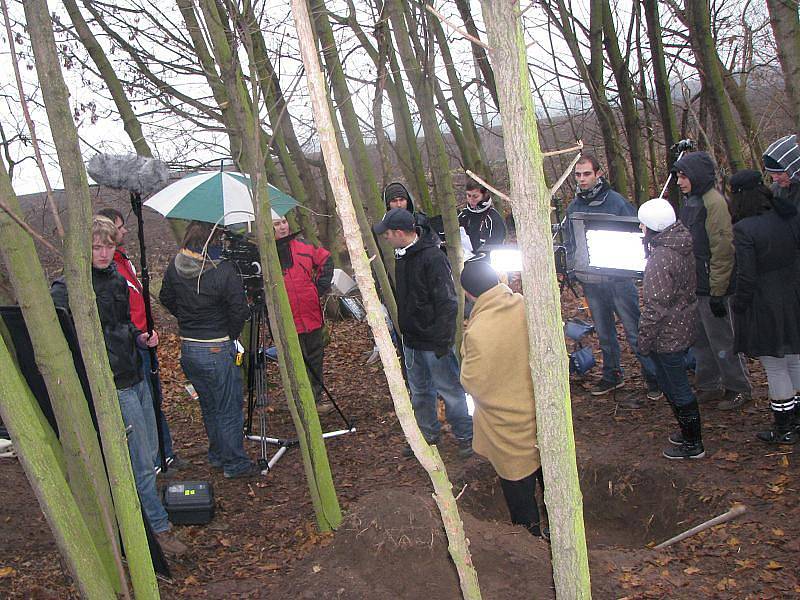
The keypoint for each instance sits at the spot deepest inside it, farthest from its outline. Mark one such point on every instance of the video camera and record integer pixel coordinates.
(243, 253)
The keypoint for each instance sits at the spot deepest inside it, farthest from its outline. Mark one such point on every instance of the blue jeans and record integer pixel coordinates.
(211, 369)
(428, 375)
(166, 436)
(672, 378)
(621, 297)
(136, 405)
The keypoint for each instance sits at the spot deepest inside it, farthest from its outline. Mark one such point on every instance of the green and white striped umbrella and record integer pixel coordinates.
(221, 197)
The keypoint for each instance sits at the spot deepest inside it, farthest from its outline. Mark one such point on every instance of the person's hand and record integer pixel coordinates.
(717, 305)
(146, 340)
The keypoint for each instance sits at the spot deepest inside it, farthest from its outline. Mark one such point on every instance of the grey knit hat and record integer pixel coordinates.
(783, 155)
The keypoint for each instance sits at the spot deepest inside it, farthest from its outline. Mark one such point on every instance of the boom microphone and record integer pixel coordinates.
(136, 174)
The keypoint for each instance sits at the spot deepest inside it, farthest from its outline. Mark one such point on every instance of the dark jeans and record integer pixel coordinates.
(166, 436)
(672, 378)
(521, 500)
(618, 297)
(211, 368)
(312, 344)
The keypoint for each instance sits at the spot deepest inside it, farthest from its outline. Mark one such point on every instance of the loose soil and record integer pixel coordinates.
(263, 542)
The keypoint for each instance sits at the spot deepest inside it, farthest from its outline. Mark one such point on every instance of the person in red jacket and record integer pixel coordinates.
(307, 273)
(139, 319)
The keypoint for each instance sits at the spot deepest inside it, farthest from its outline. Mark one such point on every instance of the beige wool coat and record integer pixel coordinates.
(495, 372)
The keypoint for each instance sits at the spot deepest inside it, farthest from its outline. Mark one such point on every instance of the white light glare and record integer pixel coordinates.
(615, 249)
(506, 261)
(470, 404)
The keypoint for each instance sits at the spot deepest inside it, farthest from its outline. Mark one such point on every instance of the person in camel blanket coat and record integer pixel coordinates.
(495, 372)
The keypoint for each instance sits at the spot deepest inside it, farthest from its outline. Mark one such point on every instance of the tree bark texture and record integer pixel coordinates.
(77, 268)
(428, 455)
(783, 16)
(548, 356)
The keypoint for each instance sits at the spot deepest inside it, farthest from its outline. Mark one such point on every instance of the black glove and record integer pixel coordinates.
(717, 305)
(441, 352)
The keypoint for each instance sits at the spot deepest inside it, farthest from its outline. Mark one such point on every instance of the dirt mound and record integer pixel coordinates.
(393, 541)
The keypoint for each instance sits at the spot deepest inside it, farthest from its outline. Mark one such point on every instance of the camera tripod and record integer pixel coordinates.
(258, 357)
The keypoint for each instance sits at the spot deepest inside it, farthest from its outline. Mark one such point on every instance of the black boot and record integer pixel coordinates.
(783, 431)
(675, 438)
(692, 446)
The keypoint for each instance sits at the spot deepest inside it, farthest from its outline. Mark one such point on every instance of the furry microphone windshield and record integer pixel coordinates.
(137, 174)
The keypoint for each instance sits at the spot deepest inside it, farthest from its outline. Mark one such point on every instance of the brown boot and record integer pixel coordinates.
(170, 544)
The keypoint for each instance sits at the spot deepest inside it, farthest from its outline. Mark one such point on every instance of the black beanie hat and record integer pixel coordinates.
(397, 190)
(746, 179)
(478, 276)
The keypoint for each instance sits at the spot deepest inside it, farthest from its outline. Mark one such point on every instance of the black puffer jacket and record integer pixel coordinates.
(111, 294)
(767, 299)
(426, 298)
(669, 304)
(706, 215)
(219, 309)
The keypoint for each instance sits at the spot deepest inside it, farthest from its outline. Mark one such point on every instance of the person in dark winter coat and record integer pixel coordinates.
(427, 308)
(207, 298)
(782, 162)
(608, 297)
(669, 319)
(122, 339)
(767, 299)
(307, 274)
(481, 221)
(396, 195)
(721, 373)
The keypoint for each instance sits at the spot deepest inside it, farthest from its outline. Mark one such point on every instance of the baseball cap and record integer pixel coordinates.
(397, 218)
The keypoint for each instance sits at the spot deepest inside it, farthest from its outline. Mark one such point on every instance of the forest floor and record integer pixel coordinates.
(263, 543)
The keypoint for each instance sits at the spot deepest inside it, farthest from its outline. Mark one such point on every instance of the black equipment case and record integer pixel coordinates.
(189, 502)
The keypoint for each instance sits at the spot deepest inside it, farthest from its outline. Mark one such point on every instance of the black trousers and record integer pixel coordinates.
(312, 344)
(521, 500)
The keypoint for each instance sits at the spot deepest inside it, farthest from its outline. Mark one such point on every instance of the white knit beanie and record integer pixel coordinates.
(657, 214)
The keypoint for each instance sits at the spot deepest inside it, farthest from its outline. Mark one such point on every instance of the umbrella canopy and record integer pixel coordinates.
(215, 197)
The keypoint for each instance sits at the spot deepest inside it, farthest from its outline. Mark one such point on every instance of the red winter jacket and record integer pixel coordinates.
(128, 271)
(307, 273)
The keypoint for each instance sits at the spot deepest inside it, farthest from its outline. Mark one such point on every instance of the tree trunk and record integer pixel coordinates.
(698, 21)
(548, 357)
(84, 310)
(630, 114)
(478, 52)
(35, 443)
(429, 456)
(786, 28)
(81, 449)
(296, 385)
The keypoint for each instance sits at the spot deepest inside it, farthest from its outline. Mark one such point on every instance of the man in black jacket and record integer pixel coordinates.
(136, 403)
(427, 307)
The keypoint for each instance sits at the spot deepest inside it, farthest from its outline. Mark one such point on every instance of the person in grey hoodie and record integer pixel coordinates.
(669, 319)
(721, 374)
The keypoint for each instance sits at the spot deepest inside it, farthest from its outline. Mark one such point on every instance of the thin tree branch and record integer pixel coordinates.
(455, 27)
(31, 231)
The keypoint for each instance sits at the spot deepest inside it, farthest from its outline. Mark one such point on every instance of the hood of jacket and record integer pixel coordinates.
(190, 264)
(700, 169)
(675, 237)
(397, 189)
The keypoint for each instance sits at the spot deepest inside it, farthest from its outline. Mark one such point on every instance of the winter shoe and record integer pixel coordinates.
(604, 386)
(465, 449)
(706, 396)
(676, 438)
(408, 452)
(783, 431)
(692, 444)
(653, 392)
(170, 544)
(735, 400)
(252, 470)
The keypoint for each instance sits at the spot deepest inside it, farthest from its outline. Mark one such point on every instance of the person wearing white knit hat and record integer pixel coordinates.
(669, 319)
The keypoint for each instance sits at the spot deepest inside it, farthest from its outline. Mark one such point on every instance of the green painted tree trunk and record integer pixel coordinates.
(530, 200)
(296, 386)
(81, 449)
(35, 444)
(77, 267)
(428, 455)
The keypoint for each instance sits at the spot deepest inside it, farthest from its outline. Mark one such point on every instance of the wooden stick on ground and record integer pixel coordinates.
(735, 511)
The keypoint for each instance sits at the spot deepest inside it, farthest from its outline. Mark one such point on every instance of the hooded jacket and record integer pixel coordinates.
(426, 297)
(307, 274)
(705, 214)
(668, 322)
(605, 201)
(119, 333)
(767, 299)
(420, 218)
(218, 310)
(496, 373)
